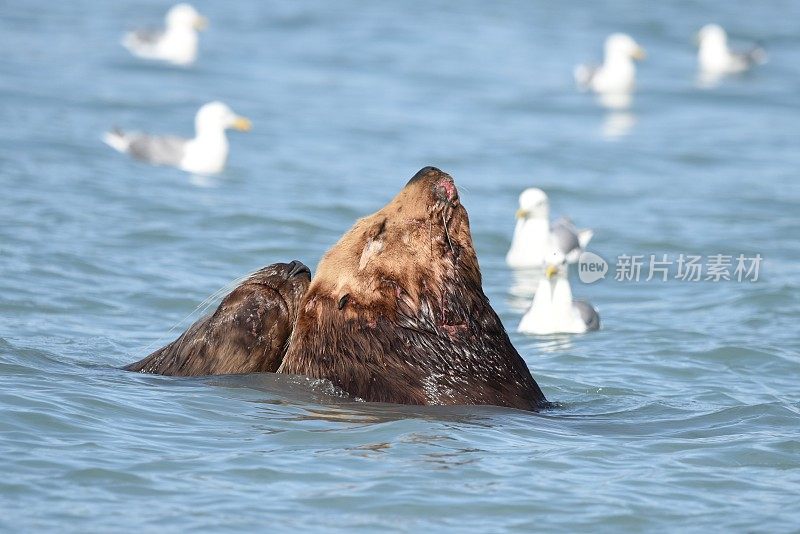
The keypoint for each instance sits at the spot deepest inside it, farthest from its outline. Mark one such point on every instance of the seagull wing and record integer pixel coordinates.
(158, 150)
(589, 315)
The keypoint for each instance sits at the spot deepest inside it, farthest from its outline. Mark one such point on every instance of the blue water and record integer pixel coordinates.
(680, 414)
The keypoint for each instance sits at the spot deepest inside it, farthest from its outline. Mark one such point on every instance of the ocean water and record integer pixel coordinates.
(681, 414)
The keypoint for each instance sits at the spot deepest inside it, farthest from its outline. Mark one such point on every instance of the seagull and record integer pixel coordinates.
(176, 44)
(714, 56)
(617, 74)
(553, 310)
(204, 154)
(534, 235)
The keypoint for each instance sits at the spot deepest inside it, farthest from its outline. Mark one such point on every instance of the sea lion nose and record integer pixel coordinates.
(297, 267)
(445, 190)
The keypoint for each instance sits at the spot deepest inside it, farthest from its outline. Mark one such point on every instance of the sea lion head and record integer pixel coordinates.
(247, 333)
(288, 280)
(396, 311)
(409, 248)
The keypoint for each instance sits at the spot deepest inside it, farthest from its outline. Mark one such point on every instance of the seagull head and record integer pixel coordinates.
(184, 16)
(712, 36)
(555, 264)
(216, 116)
(533, 204)
(620, 46)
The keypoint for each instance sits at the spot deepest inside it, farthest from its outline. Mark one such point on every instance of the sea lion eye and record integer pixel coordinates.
(343, 301)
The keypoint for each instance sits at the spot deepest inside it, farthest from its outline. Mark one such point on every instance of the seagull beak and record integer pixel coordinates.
(200, 23)
(639, 54)
(550, 271)
(242, 124)
(522, 213)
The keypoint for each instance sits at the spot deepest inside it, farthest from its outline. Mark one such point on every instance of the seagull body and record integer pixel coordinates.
(617, 74)
(206, 153)
(714, 56)
(176, 44)
(553, 310)
(534, 235)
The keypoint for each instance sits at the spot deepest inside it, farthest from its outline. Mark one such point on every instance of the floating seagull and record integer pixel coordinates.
(553, 311)
(534, 236)
(714, 56)
(206, 153)
(617, 74)
(176, 44)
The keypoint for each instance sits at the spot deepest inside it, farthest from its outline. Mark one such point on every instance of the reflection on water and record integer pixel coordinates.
(618, 121)
(204, 181)
(320, 400)
(617, 124)
(709, 79)
(615, 101)
(554, 343)
(523, 286)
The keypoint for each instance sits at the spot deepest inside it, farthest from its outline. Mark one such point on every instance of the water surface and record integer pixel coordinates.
(680, 414)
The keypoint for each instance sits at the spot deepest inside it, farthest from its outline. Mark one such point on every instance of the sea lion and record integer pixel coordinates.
(396, 312)
(247, 333)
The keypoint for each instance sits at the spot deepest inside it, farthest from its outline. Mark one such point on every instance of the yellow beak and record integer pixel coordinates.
(639, 54)
(522, 213)
(200, 23)
(242, 124)
(550, 271)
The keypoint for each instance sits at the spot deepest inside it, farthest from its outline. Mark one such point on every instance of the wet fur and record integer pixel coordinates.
(396, 311)
(248, 333)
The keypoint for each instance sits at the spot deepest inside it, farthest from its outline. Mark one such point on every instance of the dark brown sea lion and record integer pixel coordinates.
(396, 312)
(248, 332)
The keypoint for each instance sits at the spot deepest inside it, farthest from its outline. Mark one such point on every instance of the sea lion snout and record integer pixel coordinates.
(296, 268)
(426, 172)
(441, 183)
(445, 190)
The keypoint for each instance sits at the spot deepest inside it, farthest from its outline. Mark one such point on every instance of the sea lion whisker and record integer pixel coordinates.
(447, 233)
(202, 308)
(430, 236)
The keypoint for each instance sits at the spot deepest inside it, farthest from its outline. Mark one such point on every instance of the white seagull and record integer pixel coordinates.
(617, 74)
(177, 43)
(534, 236)
(204, 154)
(714, 56)
(553, 310)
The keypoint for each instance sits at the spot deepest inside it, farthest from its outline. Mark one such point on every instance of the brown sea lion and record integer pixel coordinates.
(396, 312)
(248, 332)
